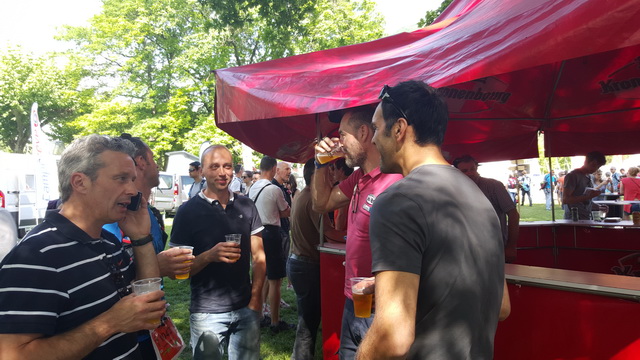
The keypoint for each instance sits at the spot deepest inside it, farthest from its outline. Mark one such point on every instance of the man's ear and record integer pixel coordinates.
(399, 129)
(80, 182)
(141, 162)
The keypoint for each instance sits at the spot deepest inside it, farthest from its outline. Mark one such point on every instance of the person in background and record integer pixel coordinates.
(432, 300)
(303, 266)
(576, 194)
(599, 183)
(237, 185)
(256, 177)
(525, 187)
(339, 171)
(549, 184)
(195, 172)
(615, 178)
(560, 187)
(247, 179)
(292, 186)
(272, 207)
(82, 309)
(623, 173)
(359, 191)
(226, 277)
(499, 198)
(630, 187)
(609, 187)
(512, 187)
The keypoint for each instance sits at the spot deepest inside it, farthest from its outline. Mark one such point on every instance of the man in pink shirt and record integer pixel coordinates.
(359, 191)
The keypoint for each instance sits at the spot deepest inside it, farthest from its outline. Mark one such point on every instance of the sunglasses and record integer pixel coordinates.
(192, 170)
(384, 96)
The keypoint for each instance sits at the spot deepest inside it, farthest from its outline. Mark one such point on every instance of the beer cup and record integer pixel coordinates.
(361, 299)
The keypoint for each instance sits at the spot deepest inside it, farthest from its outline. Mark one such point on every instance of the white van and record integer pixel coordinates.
(172, 191)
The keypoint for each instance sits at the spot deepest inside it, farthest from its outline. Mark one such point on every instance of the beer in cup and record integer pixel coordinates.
(186, 275)
(362, 298)
(334, 154)
(144, 286)
(234, 238)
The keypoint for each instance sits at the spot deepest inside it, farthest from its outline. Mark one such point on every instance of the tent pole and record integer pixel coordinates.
(547, 116)
(318, 137)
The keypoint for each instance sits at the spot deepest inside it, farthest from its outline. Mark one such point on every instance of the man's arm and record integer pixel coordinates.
(130, 314)
(393, 328)
(137, 225)
(330, 233)
(569, 198)
(259, 268)
(221, 252)
(505, 307)
(513, 233)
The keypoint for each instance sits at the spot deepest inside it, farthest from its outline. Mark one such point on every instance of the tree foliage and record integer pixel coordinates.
(431, 15)
(25, 79)
(151, 62)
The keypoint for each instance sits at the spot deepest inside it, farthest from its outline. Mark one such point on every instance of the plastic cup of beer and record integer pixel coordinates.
(596, 215)
(361, 301)
(144, 286)
(185, 276)
(635, 217)
(334, 154)
(234, 238)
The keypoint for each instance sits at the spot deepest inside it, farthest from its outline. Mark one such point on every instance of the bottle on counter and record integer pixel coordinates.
(574, 214)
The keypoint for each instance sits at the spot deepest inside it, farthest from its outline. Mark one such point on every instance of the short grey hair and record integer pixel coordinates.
(82, 156)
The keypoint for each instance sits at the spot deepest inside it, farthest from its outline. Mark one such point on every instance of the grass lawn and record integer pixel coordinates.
(279, 347)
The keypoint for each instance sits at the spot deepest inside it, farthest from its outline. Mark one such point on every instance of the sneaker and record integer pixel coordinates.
(282, 326)
(283, 304)
(266, 321)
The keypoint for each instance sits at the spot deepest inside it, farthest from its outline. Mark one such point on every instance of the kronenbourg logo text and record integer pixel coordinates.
(623, 82)
(475, 96)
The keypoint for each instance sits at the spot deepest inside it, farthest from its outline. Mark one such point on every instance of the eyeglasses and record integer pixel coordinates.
(384, 96)
(244, 177)
(192, 170)
(118, 278)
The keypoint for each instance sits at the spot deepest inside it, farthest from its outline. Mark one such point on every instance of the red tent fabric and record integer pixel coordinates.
(507, 69)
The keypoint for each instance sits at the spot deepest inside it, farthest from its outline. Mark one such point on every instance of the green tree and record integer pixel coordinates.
(25, 79)
(431, 15)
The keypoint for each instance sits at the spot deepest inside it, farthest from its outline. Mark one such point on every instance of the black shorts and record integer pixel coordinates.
(276, 261)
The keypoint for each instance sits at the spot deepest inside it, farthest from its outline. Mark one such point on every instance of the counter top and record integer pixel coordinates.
(585, 223)
(602, 284)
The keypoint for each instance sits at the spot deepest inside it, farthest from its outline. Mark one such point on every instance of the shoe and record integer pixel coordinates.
(282, 326)
(283, 304)
(266, 321)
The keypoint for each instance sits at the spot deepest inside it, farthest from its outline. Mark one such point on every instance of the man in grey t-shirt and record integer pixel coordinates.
(436, 243)
(575, 192)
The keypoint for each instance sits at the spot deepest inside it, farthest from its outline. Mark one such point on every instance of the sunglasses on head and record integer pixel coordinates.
(384, 96)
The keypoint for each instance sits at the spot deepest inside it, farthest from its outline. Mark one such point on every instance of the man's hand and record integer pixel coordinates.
(136, 312)
(136, 224)
(175, 261)
(593, 193)
(327, 145)
(227, 252)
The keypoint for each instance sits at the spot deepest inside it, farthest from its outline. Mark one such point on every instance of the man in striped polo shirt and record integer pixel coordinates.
(64, 290)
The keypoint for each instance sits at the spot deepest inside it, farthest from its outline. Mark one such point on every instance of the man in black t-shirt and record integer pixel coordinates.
(225, 297)
(436, 242)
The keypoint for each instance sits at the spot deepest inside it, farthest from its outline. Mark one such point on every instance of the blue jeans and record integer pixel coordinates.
(352, 331)
(547, 195)
(238, 329)
(304, 274)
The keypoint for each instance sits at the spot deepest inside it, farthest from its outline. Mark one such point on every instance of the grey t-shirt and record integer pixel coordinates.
(578, 181)
(437, 224)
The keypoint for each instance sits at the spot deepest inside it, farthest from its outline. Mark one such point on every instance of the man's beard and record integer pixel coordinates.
(355, 160)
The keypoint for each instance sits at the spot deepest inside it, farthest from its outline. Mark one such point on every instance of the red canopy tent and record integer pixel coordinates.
(507, 69)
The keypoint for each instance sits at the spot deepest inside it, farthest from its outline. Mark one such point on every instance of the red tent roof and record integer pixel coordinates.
(507, 68)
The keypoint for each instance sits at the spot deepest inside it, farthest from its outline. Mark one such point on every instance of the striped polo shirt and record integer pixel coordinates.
(58, 278)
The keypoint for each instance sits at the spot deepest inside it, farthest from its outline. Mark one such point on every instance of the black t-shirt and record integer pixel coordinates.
(285, 224)
(219, 287)
(436, 223)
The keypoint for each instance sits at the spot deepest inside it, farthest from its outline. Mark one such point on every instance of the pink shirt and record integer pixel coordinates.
(363, 190)
(631, 187)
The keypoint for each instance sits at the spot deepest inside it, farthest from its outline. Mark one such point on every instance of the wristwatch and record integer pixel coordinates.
(145, 240)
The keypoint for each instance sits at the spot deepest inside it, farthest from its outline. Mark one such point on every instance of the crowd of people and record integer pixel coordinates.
(430, 237)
